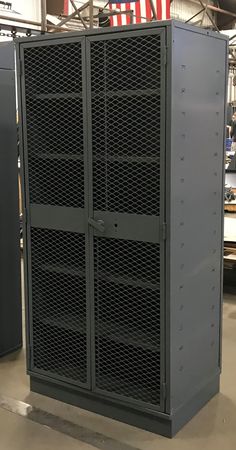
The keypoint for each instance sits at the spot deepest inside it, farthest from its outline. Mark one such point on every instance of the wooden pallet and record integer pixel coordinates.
(230, 255)
(230, 206)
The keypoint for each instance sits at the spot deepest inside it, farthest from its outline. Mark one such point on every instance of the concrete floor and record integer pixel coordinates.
(214, 428)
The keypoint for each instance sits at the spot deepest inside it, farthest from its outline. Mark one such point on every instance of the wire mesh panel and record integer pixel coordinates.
(54, 114)
(55, 162)
(59, 306)
(127, 75)
(127, 318)
(126, 116)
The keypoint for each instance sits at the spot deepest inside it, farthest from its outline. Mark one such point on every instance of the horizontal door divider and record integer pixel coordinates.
(58, 218)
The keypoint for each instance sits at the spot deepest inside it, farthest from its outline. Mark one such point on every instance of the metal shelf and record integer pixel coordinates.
(126, 93)
(111, 331)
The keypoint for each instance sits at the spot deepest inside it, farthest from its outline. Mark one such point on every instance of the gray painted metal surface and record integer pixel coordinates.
(196, 211)
(185, 234)
(7, 60)
(10, 298)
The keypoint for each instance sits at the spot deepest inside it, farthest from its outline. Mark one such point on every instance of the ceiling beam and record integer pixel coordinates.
(195, 15)
(221, 11)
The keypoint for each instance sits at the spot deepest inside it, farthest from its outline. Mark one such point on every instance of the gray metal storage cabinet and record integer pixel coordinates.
(122, 141)
(10, 296)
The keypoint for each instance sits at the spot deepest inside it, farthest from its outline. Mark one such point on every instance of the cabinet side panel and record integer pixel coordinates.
(196, 209)
(10, 299)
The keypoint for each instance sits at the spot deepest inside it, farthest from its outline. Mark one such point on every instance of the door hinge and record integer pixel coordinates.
(165, 50)
(164, 231)
(30, 356)
(21, 67)
(164, 391)
(25, 216)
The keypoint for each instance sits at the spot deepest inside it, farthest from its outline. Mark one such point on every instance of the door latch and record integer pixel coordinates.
(97, 224)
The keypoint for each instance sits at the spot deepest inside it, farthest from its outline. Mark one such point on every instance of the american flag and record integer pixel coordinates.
(142, 11)
(141, 8)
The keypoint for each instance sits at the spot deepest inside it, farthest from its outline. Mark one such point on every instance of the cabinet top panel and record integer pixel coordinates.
(109, 30)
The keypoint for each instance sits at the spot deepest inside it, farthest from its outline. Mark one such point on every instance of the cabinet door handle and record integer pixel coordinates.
(97, 224)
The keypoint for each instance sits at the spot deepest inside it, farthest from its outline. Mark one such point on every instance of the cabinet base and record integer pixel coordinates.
(10, 350)
(155, 422)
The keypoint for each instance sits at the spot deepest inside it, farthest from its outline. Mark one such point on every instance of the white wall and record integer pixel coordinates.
(28, 8)
(23, 9)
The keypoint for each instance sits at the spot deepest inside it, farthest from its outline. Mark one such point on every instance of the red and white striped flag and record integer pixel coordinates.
(142, 11)
(141, 8)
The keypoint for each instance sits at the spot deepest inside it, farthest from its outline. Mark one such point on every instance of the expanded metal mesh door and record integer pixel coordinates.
(94, 166)
(127, 121)
(54, 170)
